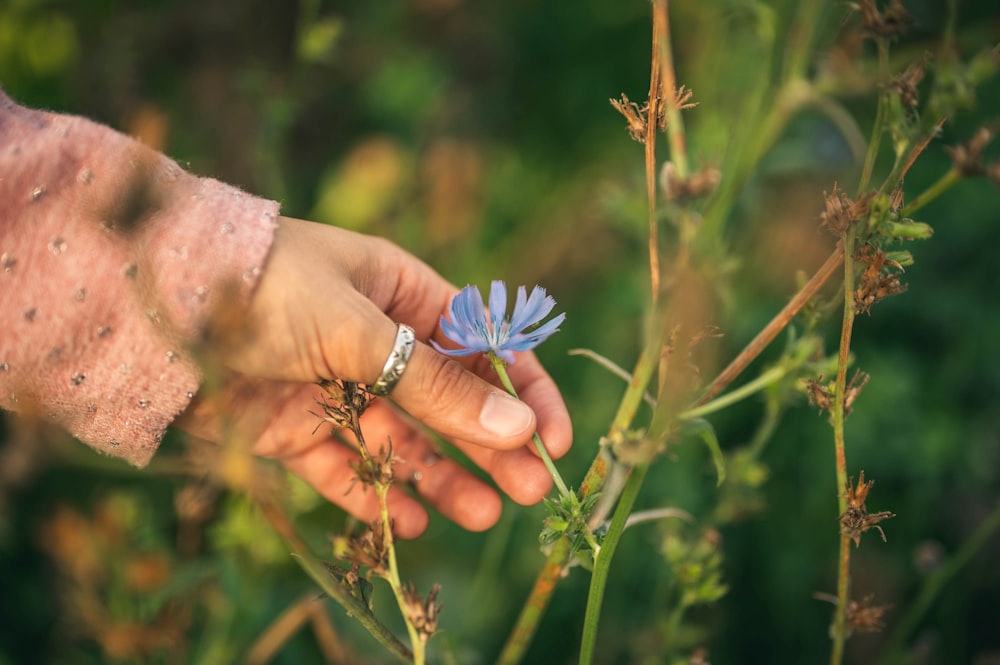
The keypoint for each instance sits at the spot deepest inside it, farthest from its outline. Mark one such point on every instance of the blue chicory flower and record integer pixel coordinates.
(475, 332)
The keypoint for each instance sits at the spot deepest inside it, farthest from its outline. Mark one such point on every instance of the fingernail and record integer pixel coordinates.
(505, 416)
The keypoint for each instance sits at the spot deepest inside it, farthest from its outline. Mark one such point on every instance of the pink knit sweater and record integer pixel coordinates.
(111, 259)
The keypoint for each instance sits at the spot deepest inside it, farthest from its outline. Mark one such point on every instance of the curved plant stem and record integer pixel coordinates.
(766, 379)
(501, 369)
(840, 395)
(937, 581)
(942, 185)
(536, 604)
(315, 569)
(657, 514)
(545, 584)
(417, 643)
(774, 327)
(602, 565)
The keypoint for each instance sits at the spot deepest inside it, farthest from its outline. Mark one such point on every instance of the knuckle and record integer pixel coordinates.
(447, 385)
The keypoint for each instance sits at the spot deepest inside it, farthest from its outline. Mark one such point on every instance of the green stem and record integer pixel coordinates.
(838, 412)
(501, 369)
(599, 579)
(942, 185)
(766, 379)
(675, 121)
(416, 642)
(937, 581)
(774, 327)
(877, 128)
(536, 604)
(550, 574)
(873, 145)
(315, 569)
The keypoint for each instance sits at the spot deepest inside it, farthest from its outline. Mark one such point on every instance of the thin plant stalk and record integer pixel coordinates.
(942, 185)
(277, 634)
(315, 569)
(417, 643)
(307, 610)
(774, 326)
(536, 604)
(550, 574)
(654, 105)
(840, 454)
(501, 369)
(879, 126)
(499, 366)
(936, 582)
(602, 565)
(663, 50)
(766, 379)
(663, 98)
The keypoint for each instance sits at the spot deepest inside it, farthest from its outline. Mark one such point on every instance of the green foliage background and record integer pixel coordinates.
(479, 137)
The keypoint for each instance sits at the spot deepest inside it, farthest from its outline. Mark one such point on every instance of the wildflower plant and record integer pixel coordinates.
(673, 389)
(498, 336)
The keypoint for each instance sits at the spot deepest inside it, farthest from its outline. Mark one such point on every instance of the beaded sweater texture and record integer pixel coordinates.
(112, 261)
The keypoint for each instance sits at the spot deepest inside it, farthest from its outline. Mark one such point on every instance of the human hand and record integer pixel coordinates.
(327, 307)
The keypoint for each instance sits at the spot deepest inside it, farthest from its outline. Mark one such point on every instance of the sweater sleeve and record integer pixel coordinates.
(112, 261)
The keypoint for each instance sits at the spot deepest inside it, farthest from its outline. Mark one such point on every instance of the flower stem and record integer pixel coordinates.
(663, 51)
(551, 572)
(501, 369)
(602, 564)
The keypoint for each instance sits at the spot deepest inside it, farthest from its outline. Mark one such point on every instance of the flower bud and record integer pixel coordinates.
(907, 229)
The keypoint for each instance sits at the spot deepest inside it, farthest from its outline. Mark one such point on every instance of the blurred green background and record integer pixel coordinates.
(479, 137)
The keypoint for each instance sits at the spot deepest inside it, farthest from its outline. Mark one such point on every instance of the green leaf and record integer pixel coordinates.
(704, 430)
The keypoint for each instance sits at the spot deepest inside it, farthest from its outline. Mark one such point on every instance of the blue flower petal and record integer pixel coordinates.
(465, 351)
(529, 340)
(467, 309)
(518, 313)
(536, 308)
(498, 308)
(475, 331)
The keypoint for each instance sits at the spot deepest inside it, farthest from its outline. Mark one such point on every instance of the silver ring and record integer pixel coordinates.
(395, 365)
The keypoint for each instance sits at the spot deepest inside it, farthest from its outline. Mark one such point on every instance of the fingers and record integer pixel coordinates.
(443, 483)
(458, 404)
(325, 464)
(327, 307)
(453, 491)
(347, 330)
(536, 388)
(327, 467)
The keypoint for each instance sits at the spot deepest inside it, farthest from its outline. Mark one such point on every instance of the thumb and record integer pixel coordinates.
(448, 398)
(458, 404)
